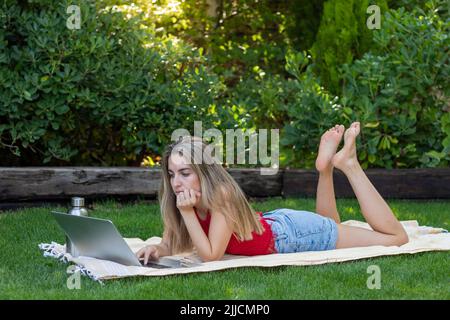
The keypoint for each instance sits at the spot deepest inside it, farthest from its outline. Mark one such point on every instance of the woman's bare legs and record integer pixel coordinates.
(325, 199)
(387, 230)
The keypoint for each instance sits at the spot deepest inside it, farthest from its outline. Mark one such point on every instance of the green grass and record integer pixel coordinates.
(26, 274)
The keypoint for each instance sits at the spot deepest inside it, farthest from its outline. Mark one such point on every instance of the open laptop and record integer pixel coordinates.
(99, 238)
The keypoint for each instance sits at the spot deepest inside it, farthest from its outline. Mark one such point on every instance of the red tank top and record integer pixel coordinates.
(259, 245)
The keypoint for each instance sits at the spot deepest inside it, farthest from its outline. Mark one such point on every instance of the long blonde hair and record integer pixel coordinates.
(220, 193)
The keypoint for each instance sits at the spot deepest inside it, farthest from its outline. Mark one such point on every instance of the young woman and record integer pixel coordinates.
(203, 207)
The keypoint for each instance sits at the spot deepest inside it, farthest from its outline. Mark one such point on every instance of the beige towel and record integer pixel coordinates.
(422, 238)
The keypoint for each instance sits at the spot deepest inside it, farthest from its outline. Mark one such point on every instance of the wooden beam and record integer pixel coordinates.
(256, 185)
(61, 182)
(433, 183)
(31, 183)
(50, 183)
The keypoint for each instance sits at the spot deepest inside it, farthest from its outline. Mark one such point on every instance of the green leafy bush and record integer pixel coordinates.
(238, 37)
(105, 94)
(112, 92)
(312, 111)
(400, 93)
(241, 38)
(299, 106)
(441, 6)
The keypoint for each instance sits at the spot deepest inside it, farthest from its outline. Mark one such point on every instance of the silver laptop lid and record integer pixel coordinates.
(97, 238)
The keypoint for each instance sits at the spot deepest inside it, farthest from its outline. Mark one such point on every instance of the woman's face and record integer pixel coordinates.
(181, 175)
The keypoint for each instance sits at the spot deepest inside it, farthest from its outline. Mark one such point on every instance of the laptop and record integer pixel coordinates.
(99, 238)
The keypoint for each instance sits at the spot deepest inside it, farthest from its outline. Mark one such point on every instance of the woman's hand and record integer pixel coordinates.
(188, 199)
(150, 252)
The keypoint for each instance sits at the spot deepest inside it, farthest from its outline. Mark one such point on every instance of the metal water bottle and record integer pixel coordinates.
(77, 209)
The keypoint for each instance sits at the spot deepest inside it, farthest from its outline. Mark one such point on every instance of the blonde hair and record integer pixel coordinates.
(220, 193)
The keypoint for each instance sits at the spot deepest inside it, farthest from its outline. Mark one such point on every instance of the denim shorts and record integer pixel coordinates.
(298, 231)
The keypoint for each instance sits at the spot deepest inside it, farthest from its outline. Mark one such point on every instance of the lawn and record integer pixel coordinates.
(26, 274)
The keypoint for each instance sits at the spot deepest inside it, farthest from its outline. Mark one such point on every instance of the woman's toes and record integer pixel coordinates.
(327, 148)
(333, 129)
(355, 124)
(356, 127)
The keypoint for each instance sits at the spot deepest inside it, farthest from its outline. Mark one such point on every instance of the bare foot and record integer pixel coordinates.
(346, 157)
(328, 146)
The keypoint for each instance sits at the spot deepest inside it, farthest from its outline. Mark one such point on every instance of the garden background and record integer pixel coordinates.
(111, 92)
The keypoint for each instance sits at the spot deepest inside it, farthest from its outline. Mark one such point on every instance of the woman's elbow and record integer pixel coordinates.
(402, 239)
(211, 258)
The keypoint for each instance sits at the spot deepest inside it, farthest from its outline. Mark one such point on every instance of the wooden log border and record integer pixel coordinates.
(396, 183)
(22, 184)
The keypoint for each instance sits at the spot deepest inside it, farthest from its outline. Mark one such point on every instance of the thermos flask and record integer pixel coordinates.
(77, 209)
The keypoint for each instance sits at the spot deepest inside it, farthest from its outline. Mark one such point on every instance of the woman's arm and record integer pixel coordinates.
(163, 246)
(213, 246)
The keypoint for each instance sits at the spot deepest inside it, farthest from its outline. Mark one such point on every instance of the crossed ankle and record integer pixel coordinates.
(327, 171)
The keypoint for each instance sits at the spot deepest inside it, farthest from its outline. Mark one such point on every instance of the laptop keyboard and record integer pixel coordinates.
(183, 263)
(151, 264)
